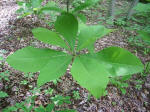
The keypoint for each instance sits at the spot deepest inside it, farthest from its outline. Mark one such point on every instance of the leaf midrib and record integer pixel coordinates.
(110, 62)
(30, 58)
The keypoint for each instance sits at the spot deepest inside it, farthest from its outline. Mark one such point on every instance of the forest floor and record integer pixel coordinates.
(16, 33)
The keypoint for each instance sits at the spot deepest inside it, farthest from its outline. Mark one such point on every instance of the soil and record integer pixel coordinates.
(16, 34)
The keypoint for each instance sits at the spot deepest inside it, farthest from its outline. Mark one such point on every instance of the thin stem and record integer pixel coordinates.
(147, 66)
(131, 11)
(72, 60)
(75, 46)
(67, 5)
(111, 13)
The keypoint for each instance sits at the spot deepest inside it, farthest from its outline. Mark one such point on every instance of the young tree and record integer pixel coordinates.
(130, 11)
(111, 12)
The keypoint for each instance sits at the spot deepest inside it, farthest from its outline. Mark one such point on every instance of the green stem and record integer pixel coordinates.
(67, 5)
(147, 66)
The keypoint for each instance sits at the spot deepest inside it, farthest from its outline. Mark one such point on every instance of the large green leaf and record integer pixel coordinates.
(89, 34)
(90, 74)
(67, 26)
(119, 61)
(48, 36)
(36, 3)
(84, 5)
(51, 64)
(55, 67)
(31, 59)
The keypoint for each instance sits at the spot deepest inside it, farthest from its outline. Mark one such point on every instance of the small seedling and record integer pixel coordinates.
(25, 106)
(28, 75)
(114, 103)
(120, 22)
(28, 105)
(56, 81)
(138, 87)
(3, 94)
(24, 82)
(141, 40)
(2, 59)
(48, 108)
(120, 82)
(49, 91)
(146, 70)
(76, 95)
(139, 84)
(60, 100)
(30, 86)
(35, 91)
(4, 76)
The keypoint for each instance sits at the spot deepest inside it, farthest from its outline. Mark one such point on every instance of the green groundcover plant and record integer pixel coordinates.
(91, 70)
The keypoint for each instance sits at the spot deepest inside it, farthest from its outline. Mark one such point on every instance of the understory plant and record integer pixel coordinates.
(141, 40)
(28, 105)
(4, 76)
(2, 59)
(142, 9)
(3, 94)
(120, 82)
(141, 16)
(91, 70)
(51, 8)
